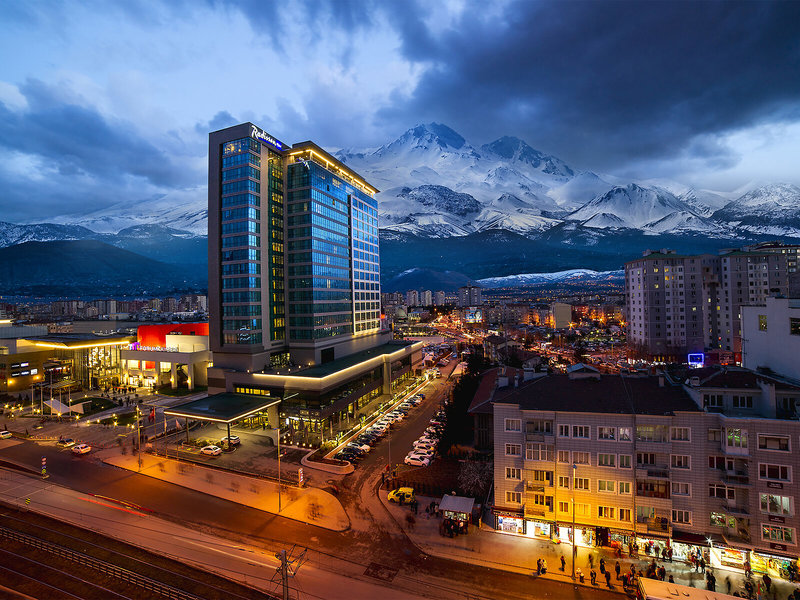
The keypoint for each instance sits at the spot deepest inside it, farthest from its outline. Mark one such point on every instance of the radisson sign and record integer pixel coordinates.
(262, 135)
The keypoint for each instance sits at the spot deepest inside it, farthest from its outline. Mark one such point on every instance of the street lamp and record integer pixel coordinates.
(574, 536)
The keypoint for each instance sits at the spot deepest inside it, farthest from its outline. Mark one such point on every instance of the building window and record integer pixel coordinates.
(680, 434)
(580, 431)
(605, 485)
(580, 458)
(776, 505)
(625, 514)
(712, 400)
(539, 426)
(514, 497)
(645, 459)
(625, 434)
(624, 461)
(582, 483)
(717, 490)
(535, 451)
(606, 433)
(714, 435)
(762, 322)
(605, 512)
(606, 460)
(513, 449)
(776, 472)
(563, 431)
(563, 507)
(563, 481)
(513, 425)
(774, 442)
(513, 473)
(680, 461)
(736, 438)
(794, 326)
(624, 487)
(563, 456)
(777, 534)
(682, 516)
(651, 433)
(742, 402)
(681, 489)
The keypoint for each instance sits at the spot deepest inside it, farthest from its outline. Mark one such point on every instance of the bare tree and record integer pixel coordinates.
(474, 478)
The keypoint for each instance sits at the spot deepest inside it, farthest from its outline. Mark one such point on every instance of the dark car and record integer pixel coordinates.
(367, 439)
(347, 455)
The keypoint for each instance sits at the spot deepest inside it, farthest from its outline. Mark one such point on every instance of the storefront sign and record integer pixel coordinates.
(775, 546)
(776, 519)
(775, 485)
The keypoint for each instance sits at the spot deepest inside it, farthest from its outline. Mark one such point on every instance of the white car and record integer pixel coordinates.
(5, 434)
(81, 449)
(233, 440)
(211, 450)
(362, 447)
(423, 453)
(416, 461)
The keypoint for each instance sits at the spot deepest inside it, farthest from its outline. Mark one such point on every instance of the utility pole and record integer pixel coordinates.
(284, 570)
(139, 436)
(574, 537)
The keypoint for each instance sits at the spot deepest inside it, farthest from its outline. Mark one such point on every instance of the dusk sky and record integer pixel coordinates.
(105, 102)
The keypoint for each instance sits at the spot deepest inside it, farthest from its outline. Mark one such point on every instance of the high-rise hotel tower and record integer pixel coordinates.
(293, 260)
(293, 252)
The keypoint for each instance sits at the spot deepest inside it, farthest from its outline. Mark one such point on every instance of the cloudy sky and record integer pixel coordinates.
(104, 102)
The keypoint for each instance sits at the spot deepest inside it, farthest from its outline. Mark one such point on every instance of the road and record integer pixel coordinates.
(340, 559)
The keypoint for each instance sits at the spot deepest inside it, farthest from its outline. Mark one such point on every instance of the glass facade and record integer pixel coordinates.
(240, 214)
(299, 253)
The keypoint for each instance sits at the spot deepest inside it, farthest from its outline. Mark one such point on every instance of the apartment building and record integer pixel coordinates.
(469, 295)
(771, 336)
(705, 462)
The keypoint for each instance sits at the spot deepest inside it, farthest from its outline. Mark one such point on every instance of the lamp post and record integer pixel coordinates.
(574, 536)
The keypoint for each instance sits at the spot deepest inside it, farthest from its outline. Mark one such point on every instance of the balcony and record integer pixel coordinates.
(534, 511)
(652, 471)
(736, 476)
(732, 508)
(538, 437)
(654, 524)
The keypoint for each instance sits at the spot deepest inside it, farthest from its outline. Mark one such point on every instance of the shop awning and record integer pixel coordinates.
(457, 504)
(696, 539)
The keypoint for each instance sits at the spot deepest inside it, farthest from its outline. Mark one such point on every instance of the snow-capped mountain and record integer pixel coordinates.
(12, 233)
(534, 278)
(629, 206)
(771, 209)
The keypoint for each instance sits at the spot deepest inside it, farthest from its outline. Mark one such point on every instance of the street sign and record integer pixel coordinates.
(300, 476)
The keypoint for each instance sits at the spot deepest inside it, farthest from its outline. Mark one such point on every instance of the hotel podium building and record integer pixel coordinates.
(294, 281)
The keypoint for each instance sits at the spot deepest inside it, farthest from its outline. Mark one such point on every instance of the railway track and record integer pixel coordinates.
(130, 568)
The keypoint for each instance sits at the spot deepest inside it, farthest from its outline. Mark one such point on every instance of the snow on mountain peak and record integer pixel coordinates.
(432, 134)
(632, 204)
(514, 149)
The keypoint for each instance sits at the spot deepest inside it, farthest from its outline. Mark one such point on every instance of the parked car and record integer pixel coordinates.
(348, 455)
(5, 434)
(404, 493)
(417, 461)
(81, 449)
(423, 453)
(359, 447)
(65, 442)
(211, 450)
(233, 440)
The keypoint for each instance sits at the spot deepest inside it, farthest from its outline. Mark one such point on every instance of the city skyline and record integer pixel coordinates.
(607, 87)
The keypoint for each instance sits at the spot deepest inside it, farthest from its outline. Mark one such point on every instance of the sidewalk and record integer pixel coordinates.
(308, 505)
(510, 552)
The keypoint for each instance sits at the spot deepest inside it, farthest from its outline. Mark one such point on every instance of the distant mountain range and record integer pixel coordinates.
(451, 211)
(88, 267)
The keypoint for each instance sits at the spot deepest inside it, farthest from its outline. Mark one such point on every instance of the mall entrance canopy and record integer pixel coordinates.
(226, 408)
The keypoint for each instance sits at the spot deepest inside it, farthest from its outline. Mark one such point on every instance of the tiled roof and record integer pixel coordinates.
(480, 402)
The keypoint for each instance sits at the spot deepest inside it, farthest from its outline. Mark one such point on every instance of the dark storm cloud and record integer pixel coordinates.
(604, 83)
(77, 139)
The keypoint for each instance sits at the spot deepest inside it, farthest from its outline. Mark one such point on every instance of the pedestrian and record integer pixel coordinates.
(593, 577)
(544, 566)
(671, 579)
(591, 560)
(728, 584)
(767, 581)
(617, 568)
(602, 565)
(702, 565)
(748, 572)
(538, 566)
(563, 563)
(664, 553)
(669, 554)
(608, 579)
